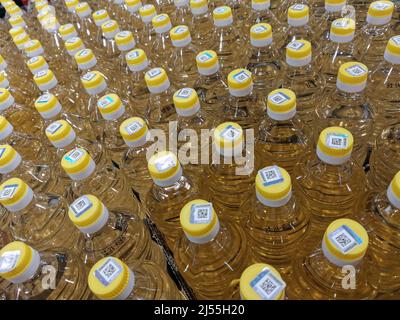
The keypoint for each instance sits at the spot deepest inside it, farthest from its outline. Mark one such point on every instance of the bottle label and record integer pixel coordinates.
(259, 29)
(201, 213)
(108, 271)
(2, 150)
(180, 30)
(221, 10)
(296, 45)
(205, 57)
(81, 205)
(345, 239)
(89, 76)
(380, 5)
(110, 24)
(160, 18)
(33, 60)
(75, 155)
(44, 98)
(154, 72)
(105, 102)
(230, 133)
(84, 53)
(72, 40)
(8, 260)
(147, 7)
(184, 93)
(337, 140)
(124, 34)
(133, 54)
(100, 12)
(271, 175)
(41, 73)
(396, 40)
(133, 127)
(356, 70)
(342, 23)
(165, 163)
(241, 77)
(298, 7)
(279, 98)
(267, 285)
(8, 191)
(54, 127)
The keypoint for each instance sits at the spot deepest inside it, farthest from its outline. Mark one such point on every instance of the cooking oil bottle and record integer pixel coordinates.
(136, 135)
(349, 107)
(259, 281)
(88, 22)
(110, 52)
(103, 232)
(134, 20)
(161, 108)
(26, 270)
(125, 42)
(29, 147)
(170, 190)
(73, 46)
(329, 182)
(209, 250)
(227, 39)
(333, 11)
(385, 79)
(210, 84)
(112, 279)
(276, 221)
(303, 78)
(337, 269)
(147, 35)
(162, 47)
(282, 137)
(373, 37)
(265, 62)
(378, 213)
(67, 31)
(201, 24)
(39, 219)
(231, 173)
(338, 50)
(103, 181)
(182, 62)
(138, 64)
(182, 14)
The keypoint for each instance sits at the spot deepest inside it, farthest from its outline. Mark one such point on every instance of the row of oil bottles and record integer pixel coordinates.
(211, 247)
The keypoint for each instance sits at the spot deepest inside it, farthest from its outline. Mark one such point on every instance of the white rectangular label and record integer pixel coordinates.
(8, 260)
(200, 213)
(108, 271)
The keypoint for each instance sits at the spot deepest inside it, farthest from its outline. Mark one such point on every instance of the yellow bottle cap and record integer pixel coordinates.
(100, 16)
(161, 23)
(186, 102)
(33, 48)
(134, 131)
(111, 279)
(392, 52)
(125, 40)
(71, 4)
(94, 82)
(18, 262)
(48, 106)
(222, 16)
(133, 5)
(67, 31)
(261, 35)
(5, 128)
(111, 106)
(15, 194)
(281, 104)
(207, 62)
(180, 36)
(334, 5)
(342, 30)
(17, 21)
(335, 145)
(14, 11)
(88, 213)
(9, 158)
(37, 64)
(273, 186)
(45, 80)
(73, 45)
(345, 242)
(393, 191)
(78, 164)
(260, 5)
(380, 12)
(110, 29)
(352, 77)
(40, 5)
(298, 15)
(147, 13)
(240, 82)
(137, 60)
(14, 31)
(157, 80)
(164, 168)
(60, 133)
(199, 6)
(7, 4)
(83, 10)
(85, 59)
(298, 53)
(20, 40)
(199, 221)
(261, 281)
(228, 138)
(6, 99)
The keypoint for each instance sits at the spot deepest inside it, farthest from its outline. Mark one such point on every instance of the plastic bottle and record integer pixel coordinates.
(162, 47)
(201, 24)
(135, 22)
(181, 14)
(88, 23)
(147, 35)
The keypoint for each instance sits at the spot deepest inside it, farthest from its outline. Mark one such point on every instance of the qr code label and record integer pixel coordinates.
(201, 213)
(380, 5)
(356, 70)
(8, 260)
(33, 60)
(337, 141)
(259, 29)
(105, 102)
(160, 18)
(110, 24)
(89, 76)
(2, 150)
(396, 40)
(81, 205)
(345, 239)
(154, 72)
(75, 155)
(165, 163)
(184, 93)
(267, 285)
(342, 23)
(8, 191)
(147, 7)
(271, 175)
(133, 54)
(41, 73)
(133, 127)
(298, 7)
(124, 34)
(220, 10)
(180, 30)
(44, 98)
(53, 128)
(73, 40)
(205, 57)
(296, 45)
(230, 133)
(279, 98)
(241, 77)
(107, 272)
(84, 53)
